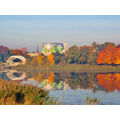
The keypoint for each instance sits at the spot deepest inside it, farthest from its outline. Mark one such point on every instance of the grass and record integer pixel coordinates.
(71, 67)
(92, 101)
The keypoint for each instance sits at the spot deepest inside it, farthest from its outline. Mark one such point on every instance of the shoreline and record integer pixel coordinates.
(70, 67)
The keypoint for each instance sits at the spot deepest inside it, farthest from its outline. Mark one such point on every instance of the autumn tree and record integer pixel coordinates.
(4, 53)
(34, 61)
(45, 60)
(110, 55)
(51, 59)
(16, 52)
(107, 55)
(117, 56)
(37, 60)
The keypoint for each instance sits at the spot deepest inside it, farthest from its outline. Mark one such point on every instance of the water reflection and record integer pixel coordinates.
(82, 80)
(72, 85)
(109, 82)
(63, 80)
(13, 75)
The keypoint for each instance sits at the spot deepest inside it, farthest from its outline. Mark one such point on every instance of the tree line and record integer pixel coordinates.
(106, 53)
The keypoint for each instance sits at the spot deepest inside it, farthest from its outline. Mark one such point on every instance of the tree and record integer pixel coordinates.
(74, 54)
(87, 54)
(17, 52)
(34, 61)
(118, 46)
(4, 53)
(60, 58)
(40, 59)
(117, 56)
(110, 55)
(92, 58)
(37, 60)
(45, 60)
(94, 45)
(109, 44)
(99, 48)
(51, 59)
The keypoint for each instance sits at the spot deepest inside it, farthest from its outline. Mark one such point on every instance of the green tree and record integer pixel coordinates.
(84, 54)
(109, 44)
(60, 58)
(74, 54)
(92, 58)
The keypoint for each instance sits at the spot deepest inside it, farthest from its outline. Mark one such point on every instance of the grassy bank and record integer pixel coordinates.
(71, 67)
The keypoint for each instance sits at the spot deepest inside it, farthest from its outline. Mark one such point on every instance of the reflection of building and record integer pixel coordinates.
(48, 48)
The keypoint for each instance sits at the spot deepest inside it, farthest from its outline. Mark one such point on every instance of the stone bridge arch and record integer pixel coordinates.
(16, 60)
(15, 75)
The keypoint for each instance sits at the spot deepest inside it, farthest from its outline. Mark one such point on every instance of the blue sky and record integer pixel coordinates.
(28, 31)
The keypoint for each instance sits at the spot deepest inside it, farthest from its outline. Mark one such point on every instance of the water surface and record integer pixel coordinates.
(73, 88)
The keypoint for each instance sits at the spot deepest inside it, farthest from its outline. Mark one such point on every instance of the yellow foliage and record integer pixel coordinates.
(40, 59)
(34, 61)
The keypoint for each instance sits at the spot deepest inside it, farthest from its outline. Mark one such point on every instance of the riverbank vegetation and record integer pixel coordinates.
(14, 93)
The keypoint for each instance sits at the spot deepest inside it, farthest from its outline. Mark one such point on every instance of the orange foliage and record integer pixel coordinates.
(51, 59)
(110, 81)
(37, 60)
(117, 56)
(43, 60)
(51, 77)
(40, 59)
(17, 52)
(109, 55)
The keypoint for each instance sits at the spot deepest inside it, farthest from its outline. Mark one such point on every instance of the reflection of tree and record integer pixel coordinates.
(74, 83)
(61, 76)
(74, 80)
(81, 80)
(110, 81)
(41, 76)
(37, 76)
(51, 77)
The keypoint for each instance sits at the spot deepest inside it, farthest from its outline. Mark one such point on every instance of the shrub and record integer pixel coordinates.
(13, 93)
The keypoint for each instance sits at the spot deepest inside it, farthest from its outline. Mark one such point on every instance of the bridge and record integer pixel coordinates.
(16, 60)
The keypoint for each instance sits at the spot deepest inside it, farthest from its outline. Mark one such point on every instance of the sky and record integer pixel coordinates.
(18, 31)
